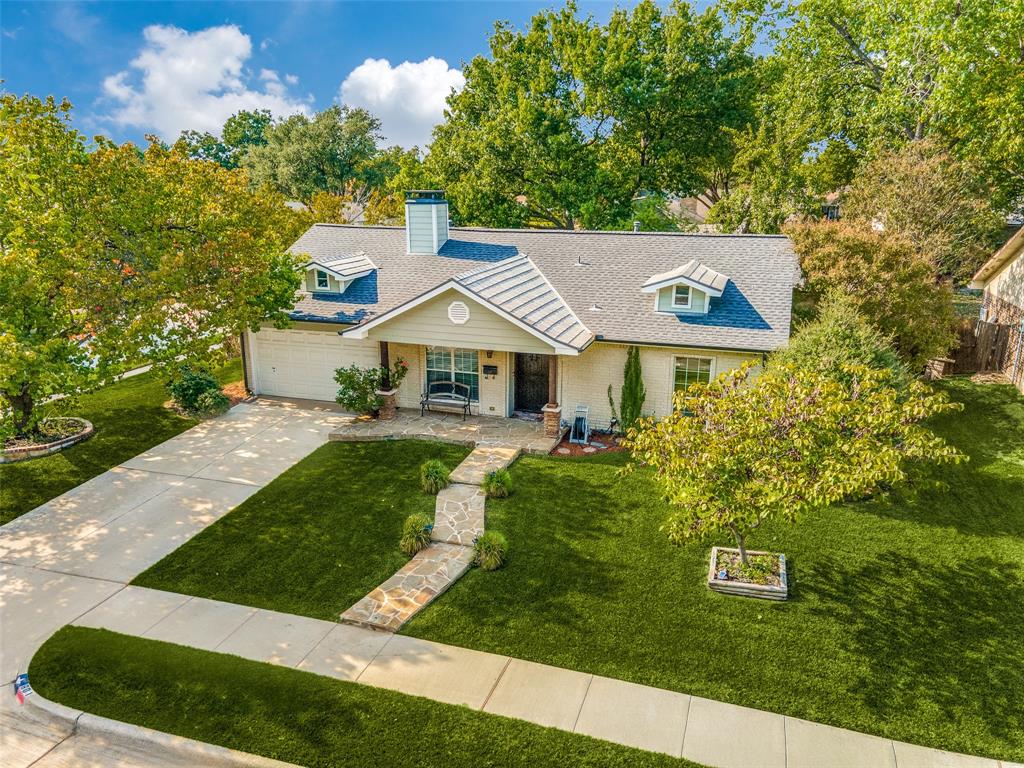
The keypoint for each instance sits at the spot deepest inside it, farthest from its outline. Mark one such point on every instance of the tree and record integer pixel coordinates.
(633, 393)
(886, 73)
(935, 201)
(110, 254)
(839, 339)
(570, 122)
(242, 130)
(886, 278)
(740, 451)
(325, 153)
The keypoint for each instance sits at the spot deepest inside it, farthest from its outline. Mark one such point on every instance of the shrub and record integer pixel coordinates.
(434, 476)
(889, 282)
(357, 387)
(415, 533)
(498, 484)
(212, 402)
(840, 337)
(490, 551)
(188, 383)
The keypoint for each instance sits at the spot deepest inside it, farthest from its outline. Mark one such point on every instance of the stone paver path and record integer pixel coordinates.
(459, 514)
(708, 732)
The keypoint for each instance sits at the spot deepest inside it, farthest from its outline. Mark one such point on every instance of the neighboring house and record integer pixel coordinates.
(1002, 278)
(526, 318)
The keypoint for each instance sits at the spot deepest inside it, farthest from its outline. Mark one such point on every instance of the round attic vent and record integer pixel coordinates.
(458, 312)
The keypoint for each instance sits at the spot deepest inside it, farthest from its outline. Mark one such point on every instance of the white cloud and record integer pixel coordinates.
(193, 80)
(409, 99)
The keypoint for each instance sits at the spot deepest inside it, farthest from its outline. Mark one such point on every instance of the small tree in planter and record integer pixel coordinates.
(358, 387)
(740, 451)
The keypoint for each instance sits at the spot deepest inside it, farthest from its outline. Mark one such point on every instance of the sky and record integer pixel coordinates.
(135, 68)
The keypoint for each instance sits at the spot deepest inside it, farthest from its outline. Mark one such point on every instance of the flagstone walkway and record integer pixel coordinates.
(459, 518)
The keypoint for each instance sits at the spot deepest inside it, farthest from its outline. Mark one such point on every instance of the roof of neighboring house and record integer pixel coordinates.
(1012, 249)
(591, 282)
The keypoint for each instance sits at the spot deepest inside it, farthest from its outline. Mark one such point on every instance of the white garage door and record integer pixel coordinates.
(294, 363)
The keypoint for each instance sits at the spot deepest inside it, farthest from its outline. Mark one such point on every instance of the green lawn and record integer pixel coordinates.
(906, 617)
(296, 716)
(317, 538)
(129, 417)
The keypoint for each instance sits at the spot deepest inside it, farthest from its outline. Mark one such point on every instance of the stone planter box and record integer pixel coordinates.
(734, 587)
(42, 449)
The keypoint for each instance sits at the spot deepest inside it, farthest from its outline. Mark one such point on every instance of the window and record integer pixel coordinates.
(691, 370)
(323, 282)
(461, 365)
(681, 297)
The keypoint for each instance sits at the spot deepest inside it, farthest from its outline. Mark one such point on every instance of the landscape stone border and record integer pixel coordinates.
(732, 587)
(26, 452)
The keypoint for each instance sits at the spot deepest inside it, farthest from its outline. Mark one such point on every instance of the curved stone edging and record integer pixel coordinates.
(190, 750)
(27, 452)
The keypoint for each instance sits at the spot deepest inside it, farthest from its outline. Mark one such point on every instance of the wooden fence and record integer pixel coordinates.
(981, 347)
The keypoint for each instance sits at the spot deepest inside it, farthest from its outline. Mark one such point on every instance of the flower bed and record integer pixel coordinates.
(764, 576)
(53, 434)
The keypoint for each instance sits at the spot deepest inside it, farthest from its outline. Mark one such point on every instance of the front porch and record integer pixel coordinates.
(486, 431)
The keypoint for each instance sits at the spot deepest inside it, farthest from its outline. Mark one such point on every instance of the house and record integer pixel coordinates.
(1002, 279)
(530, 320)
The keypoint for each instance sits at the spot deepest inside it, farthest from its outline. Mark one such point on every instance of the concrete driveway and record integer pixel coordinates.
(67, 556)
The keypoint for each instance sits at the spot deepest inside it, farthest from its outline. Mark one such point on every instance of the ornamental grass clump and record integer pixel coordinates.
(498, 484)
(490, 551)
(416, 532)
(434, 476)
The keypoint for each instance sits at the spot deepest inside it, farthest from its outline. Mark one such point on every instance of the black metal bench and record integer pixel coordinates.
(446, 394)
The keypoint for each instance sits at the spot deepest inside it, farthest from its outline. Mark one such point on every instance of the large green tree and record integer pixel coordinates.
(570, 122)
(111, 254)
(881, 74)
(242, 130)
(325, 153)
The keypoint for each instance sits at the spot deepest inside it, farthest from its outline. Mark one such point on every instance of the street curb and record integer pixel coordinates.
(190, 750)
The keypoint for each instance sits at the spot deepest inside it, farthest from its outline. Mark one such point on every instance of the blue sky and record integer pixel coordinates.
(132, 68)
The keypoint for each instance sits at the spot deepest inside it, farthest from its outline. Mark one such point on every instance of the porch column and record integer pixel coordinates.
(387, 394)
(552, 411)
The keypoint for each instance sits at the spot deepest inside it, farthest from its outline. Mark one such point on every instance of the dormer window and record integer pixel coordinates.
(323, 281)
(335, 274)
(681, 297)
(687, 289)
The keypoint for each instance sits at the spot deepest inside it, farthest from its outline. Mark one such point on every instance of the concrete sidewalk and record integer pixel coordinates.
(708, 732)
(69, 555)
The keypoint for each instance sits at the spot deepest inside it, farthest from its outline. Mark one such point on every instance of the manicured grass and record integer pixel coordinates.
(129, 417)
(906, 616)
(316, 539)
(295, 716)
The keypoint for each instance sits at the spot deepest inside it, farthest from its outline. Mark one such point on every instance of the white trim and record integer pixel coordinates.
(711, 371)
(655, 287)
(361, 331)
(452, 371)
(689, 296)
(345, 279)
(316, 279)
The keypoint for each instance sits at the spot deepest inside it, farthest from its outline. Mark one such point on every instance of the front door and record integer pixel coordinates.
(531, 383)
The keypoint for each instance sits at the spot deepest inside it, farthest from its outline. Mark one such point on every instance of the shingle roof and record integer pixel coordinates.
(692, 272)
(598, 275)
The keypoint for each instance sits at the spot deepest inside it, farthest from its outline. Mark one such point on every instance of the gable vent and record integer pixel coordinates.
(458, 312)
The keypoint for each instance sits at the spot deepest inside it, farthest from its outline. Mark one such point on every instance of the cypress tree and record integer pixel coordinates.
(633, 394)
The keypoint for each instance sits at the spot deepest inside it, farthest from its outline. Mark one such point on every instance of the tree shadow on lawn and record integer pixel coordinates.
(933, 638)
